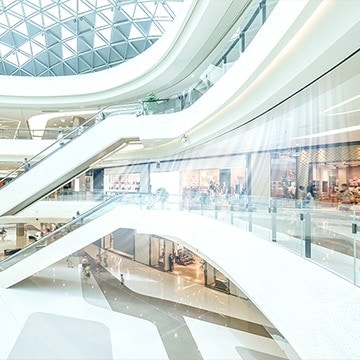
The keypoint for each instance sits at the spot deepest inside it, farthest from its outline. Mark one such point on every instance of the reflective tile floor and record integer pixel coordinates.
(57, 314)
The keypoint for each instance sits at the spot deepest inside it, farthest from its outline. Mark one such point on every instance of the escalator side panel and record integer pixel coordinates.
(62, 165)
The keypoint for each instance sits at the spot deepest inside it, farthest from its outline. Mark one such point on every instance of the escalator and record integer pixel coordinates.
(71, 237)
(58, 164)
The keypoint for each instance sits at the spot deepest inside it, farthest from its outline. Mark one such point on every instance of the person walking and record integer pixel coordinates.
(301, 196)
(84, 262)
(171, 262)
(60, 138)
(98, 262)
(105, 258)
(26, 165)
(69, 261)
(3, 233)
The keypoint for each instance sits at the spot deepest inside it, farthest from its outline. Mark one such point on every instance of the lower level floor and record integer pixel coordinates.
(60, 314)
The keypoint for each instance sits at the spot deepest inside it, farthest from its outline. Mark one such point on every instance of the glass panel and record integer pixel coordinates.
(80, 220)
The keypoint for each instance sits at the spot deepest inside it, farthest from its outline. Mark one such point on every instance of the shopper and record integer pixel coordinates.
(98, 262)
(105, 258)
(26, 165)
(301, 196)
(309, 198)
(69, 261)
(60, 138)
(3, 233)
(84, 262)
(171, 262)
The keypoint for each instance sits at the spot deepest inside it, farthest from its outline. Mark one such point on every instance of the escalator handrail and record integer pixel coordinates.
(76, 132)
(145, 199)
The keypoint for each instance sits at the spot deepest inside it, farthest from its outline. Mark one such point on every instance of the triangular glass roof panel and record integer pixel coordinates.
(49, 37)
(104, 53)
(43, 59)
(106, 35)
(100, 21)
(39, 67)
(154, 30)
(18, 39)
(85, 45)
(139, 13)
(36, 49)
(29, 67)
(21, 29)
(67, 52)
(129, 10)
(97, 59)
(9, 68)
(53, 58)
(5, 50)
(12, 59)
(117, 53)
(65, 13)
(26, 49)
(135, 33)
(58, 68)
(83, 7)
(7, 39)
(48, 21)
(2, 30)
(86, 59)
(32, 29)
(12, 20)
(66, 34)
(99, 41)
(39, 40)
(72, 64)
(28, 11)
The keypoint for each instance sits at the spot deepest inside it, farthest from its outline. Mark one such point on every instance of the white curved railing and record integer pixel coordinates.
(323, 234)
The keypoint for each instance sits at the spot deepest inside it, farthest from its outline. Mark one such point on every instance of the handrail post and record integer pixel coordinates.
(307, 218)
(272, 211)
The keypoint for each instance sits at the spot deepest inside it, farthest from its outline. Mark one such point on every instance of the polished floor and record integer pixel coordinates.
(58, 314)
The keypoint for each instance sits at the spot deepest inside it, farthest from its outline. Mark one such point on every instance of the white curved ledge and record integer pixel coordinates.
(197, 32)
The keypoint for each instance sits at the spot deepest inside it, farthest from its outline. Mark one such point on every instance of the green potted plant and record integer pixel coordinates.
(150, 103)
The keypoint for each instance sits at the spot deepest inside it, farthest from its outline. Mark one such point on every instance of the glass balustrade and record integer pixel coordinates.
(250, 23)
(140, 199)
(325, 234)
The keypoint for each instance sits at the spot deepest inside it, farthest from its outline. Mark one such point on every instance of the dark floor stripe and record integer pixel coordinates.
(167, 316)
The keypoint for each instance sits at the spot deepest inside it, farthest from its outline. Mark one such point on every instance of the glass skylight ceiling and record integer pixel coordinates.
(68, 37)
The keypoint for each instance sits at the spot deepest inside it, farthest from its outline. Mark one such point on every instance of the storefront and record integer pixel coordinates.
(165, 255)
(283, 175)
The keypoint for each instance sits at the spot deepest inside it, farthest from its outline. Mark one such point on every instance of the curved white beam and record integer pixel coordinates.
(196, 34)
(284, 57)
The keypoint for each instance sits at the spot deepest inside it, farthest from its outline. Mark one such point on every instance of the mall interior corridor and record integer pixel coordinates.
(154, 315)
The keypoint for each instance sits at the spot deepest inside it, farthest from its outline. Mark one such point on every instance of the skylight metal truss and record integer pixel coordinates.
(68, 37)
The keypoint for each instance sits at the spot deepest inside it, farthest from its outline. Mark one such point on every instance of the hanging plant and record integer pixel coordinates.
(150, 102)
